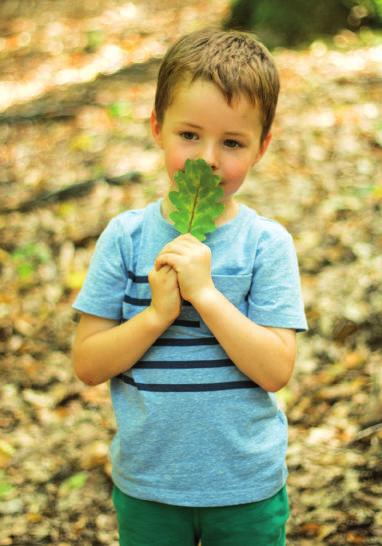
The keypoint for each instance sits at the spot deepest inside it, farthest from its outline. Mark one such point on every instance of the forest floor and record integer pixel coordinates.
(76, 92)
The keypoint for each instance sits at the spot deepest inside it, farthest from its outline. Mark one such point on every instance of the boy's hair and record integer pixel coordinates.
(233, 60)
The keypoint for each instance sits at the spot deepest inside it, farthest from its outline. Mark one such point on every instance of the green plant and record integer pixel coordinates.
(76, 481)
(197, 200)
(28, 257)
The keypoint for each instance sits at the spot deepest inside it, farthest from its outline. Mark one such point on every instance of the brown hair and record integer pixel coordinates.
(233, 60)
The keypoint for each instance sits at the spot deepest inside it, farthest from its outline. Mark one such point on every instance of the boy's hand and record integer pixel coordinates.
(165, 296)
(191, 260)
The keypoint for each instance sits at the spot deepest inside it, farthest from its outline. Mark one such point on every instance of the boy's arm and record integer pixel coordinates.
(266, 355)
(104, 348)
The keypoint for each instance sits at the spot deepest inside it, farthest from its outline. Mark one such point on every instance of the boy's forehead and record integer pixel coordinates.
(200, 99)
(203, 89)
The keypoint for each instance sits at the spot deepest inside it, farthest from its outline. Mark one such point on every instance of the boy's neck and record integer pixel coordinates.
(231, 209)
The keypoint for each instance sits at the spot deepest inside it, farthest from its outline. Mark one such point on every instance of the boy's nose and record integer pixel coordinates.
(210, 156)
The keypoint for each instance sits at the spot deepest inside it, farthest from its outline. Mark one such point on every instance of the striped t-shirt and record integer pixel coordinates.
(192, 429)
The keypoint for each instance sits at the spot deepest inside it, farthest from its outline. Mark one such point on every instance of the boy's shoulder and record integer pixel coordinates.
(127, 221)
(267, 228)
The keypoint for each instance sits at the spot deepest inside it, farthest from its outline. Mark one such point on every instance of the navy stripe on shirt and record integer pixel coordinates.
(144, 279)
(175, 342)
(182, 364)
(179, 322)
(188, 323)
(140, 302)
(187, 387)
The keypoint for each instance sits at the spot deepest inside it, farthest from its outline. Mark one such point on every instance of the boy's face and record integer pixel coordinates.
(199, 123)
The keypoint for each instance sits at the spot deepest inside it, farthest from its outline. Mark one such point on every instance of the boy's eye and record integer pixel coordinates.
(188, 135)
(232, 143)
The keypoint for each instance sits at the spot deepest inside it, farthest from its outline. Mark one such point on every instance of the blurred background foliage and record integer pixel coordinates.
(298, 22)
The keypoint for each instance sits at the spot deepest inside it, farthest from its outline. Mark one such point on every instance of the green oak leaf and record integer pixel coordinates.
(197, 201)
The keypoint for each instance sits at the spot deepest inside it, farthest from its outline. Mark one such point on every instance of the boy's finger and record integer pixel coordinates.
(164, 267)
(168, 259)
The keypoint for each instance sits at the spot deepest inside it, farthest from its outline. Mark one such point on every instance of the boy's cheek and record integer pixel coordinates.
(235, 176)
(175, 162)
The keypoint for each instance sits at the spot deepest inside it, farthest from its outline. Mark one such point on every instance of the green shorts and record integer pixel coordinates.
(148, 523)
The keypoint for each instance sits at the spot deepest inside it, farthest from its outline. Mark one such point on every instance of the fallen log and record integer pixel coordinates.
(75, 190)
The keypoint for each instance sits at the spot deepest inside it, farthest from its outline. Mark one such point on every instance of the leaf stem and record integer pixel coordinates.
(193, 209)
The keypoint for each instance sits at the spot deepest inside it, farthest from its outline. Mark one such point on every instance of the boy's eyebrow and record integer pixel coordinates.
(234, 133)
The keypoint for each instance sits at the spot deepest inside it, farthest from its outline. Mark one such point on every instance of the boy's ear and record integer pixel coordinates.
(263, 147)
(156, 128)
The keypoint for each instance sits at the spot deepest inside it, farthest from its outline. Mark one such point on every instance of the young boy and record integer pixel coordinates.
(197, 337)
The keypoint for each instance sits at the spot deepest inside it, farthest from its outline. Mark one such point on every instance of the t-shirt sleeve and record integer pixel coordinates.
(275, 297)
(104, 287)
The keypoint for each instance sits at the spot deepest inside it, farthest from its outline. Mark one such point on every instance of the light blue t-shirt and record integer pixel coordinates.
(192, 429)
